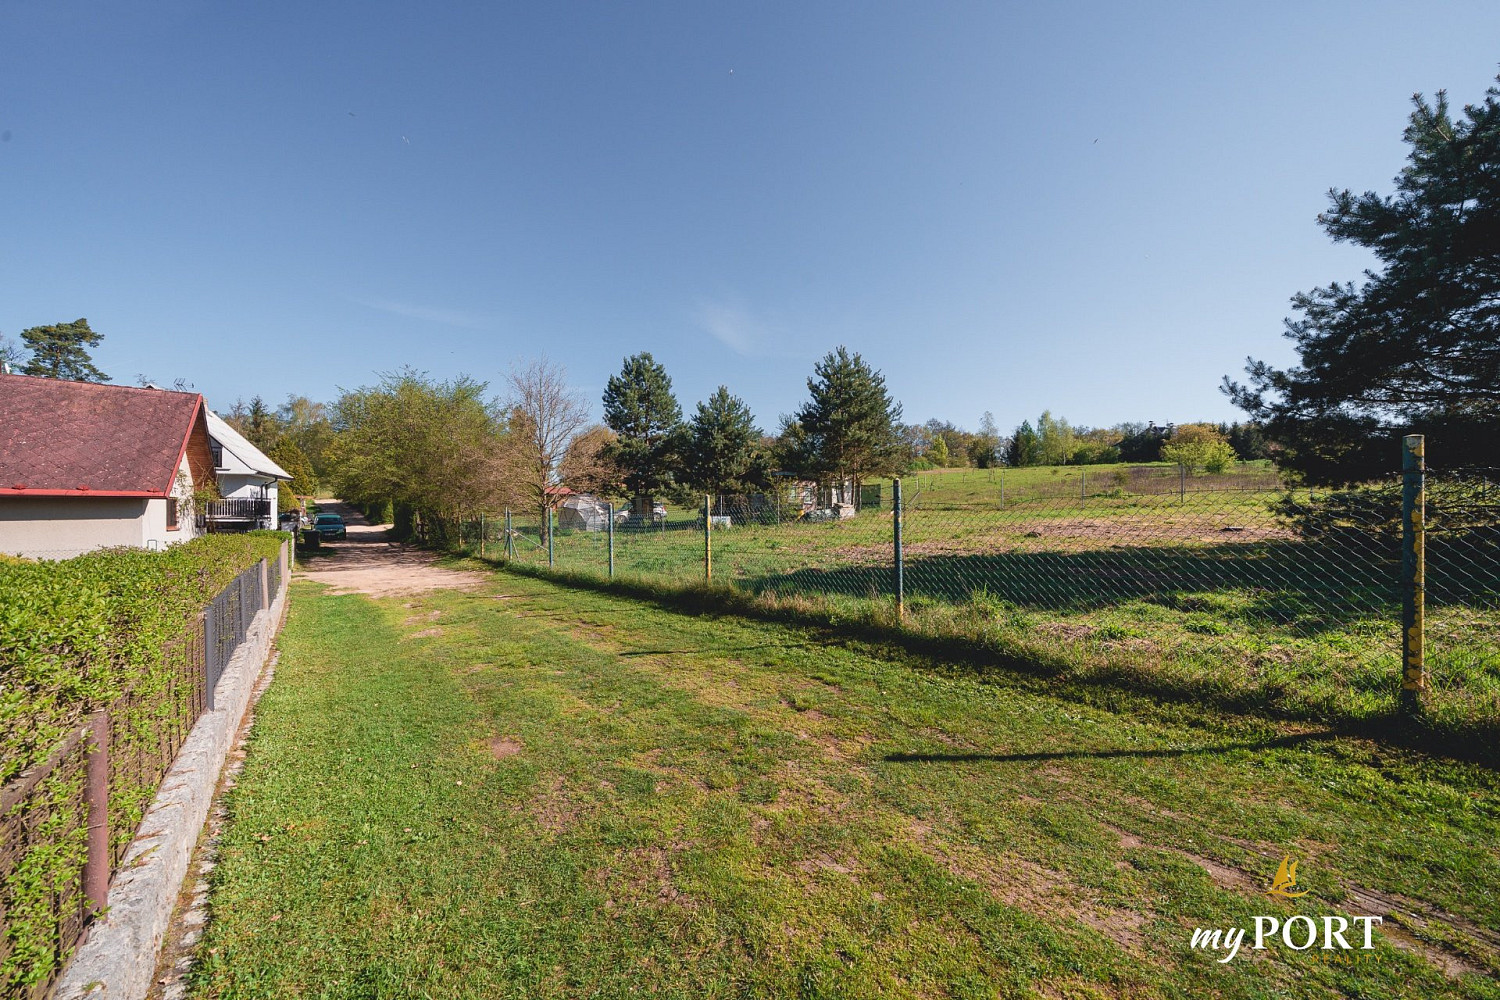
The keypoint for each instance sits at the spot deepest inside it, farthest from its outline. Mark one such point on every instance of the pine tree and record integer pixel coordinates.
(723, 452)
(57, 351)
(640, 408)
(1024, 446)
(850, 425)
(1417, 345)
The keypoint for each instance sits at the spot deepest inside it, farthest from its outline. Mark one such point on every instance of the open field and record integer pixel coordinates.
(967, 487)
(527, 790)
(1210, 592)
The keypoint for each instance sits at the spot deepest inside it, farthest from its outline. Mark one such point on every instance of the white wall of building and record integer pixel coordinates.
(62, 527)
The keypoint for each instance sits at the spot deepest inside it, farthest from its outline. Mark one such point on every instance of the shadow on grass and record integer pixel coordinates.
(1113, 686)
(1297, 739)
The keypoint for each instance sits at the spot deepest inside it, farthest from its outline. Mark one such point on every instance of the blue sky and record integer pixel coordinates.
(1099, 209)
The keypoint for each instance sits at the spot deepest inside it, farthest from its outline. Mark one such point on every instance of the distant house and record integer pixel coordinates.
(249, 482)
(86, 466)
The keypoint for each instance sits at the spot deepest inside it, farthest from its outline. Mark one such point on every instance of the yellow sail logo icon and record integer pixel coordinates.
(1286, 880)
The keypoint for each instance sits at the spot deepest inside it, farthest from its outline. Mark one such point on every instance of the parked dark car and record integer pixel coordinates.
(330, 527)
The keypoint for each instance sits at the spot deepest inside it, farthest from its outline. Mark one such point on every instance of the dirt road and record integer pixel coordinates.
(367, 562)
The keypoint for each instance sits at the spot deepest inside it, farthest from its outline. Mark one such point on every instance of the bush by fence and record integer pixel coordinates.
(1256, 595)
(118, 648)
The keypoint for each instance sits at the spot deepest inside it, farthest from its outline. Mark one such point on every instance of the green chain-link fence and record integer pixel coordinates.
(1227, 581)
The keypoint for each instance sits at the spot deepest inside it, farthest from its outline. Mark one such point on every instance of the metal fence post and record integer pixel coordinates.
(1002, 486)
(1083, 478)
(708, 545)
(96, 800)
(265, 585)
(610, 510)
(210, 653)
(1181, 482)
(481, 534)
(1413, 570)
(899, 565)
(551, 530)
(510, 539)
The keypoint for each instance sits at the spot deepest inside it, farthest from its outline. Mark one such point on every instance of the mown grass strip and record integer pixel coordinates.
(569, 793)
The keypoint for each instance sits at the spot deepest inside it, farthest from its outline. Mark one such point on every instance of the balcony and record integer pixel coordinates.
(237, 514)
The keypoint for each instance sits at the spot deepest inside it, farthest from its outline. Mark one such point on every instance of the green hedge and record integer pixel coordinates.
(77, 633)
(108, 629)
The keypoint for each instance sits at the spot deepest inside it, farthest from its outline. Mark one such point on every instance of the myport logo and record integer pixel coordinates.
(1296, 933)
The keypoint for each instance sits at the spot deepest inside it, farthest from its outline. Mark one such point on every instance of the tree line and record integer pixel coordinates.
(438, 450)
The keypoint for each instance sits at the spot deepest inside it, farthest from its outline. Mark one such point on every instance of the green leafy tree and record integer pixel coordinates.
(723, 452)
(850, 426)
(647, 419)
(285, 453)
(984, 447)
(58, 351)
(308, 425)
(436, 448)
(1199, 446)
(1416, 345)
(937, 452)
(955, 439)
(1025, 448)
(1056, 440)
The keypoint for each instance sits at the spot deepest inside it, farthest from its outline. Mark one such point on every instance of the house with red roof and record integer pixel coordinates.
(86, 466)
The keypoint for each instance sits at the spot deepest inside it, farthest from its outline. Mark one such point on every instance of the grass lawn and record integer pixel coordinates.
(1211, 593)
(534, 791)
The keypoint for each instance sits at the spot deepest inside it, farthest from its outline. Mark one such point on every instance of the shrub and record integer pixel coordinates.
(79, 633)
(104, 629)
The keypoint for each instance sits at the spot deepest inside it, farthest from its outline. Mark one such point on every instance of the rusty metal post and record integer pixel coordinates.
(899, 565)
(708, 544)
(510, 539)
(96, 804)
(551, 530)
(265, 584)
(610, 509)
(481, 534)
(1413, 570)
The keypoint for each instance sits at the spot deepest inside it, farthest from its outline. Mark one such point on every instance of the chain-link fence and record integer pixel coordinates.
(1229, 584)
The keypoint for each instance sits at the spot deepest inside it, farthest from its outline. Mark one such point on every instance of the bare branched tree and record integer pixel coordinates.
(545, 415)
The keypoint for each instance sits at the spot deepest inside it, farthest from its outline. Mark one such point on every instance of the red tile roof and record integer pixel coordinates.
(82, 439)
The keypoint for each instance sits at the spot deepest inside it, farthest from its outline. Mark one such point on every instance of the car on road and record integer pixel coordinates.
(329, 527)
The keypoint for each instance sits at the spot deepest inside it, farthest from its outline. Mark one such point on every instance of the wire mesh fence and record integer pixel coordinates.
(1232, 580)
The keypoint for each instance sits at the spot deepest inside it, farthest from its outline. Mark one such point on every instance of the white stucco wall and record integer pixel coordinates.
(60, 527)
(156, 533)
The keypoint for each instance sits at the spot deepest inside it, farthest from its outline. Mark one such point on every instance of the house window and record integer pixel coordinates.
(171, 513)
(218, 452)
